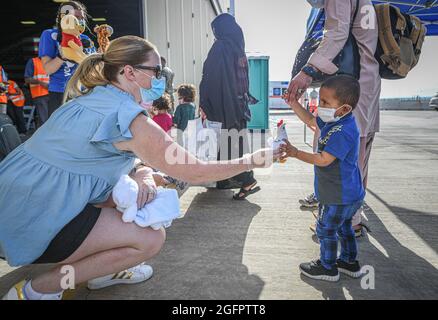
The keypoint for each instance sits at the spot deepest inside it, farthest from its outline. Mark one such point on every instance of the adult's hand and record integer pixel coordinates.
(262, 158)
(298, 86)
(147, 189)
(52, 65)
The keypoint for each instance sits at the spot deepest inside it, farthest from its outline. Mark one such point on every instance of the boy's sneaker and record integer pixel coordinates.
(133, 275)
(358, 229)
(350, 269)
(315, 270)
(309, 202)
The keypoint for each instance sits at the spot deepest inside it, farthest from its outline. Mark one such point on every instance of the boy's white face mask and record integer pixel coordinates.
(319, 4)
(328, 114)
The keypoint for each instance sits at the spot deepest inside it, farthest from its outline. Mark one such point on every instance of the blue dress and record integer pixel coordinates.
(69, 162)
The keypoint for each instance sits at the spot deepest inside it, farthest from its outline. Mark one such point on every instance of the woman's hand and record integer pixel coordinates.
(147, 189)
(262, 158)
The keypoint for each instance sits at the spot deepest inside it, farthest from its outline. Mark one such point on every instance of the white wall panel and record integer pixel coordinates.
(156, 24)
(197, 43)
(176, 34)
(181, 30)
(189, 54)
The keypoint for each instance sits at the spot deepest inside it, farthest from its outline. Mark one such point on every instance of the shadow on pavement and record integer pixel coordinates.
(424, 224)
(202, 256)
(399, 272)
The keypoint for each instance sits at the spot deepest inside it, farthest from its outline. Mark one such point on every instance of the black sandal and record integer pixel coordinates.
(246, 193)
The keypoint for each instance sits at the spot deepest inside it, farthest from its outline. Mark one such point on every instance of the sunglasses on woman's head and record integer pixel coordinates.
(158, 70)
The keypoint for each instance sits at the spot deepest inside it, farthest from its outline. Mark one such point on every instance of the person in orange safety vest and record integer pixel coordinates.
(15, 94)
(15, 107)
(38, 80)
(3, 90)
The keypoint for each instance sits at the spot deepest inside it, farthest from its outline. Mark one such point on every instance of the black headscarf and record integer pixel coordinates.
(224, 87)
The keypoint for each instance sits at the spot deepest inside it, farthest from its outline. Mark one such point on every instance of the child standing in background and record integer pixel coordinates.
(186, 108)
(163, 118)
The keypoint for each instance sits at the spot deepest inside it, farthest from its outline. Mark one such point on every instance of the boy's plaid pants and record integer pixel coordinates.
(335, 221)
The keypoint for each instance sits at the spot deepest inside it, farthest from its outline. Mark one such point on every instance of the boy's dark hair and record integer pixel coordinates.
(187, 92)
(163, 103)
(347, 89)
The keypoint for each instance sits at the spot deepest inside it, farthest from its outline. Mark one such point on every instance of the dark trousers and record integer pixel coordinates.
(244, 179)
(55, 101)
(17, 116)
(42, 107)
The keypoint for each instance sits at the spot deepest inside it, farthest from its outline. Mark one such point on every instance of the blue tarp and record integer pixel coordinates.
(426, 10)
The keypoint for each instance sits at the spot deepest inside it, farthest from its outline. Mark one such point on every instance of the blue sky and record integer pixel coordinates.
(277, 27)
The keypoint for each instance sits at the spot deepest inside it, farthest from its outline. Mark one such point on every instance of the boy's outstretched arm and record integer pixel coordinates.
(322, 159)
(304, 115)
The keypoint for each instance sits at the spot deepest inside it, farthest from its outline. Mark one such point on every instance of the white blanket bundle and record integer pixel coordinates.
(156, 214)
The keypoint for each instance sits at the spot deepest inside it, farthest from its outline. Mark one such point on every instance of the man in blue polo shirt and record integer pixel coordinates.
(338, 182)
(56, 66)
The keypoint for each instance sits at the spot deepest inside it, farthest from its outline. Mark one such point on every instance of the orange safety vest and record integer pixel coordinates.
(3, 96)
(37, 90)
(15, 94)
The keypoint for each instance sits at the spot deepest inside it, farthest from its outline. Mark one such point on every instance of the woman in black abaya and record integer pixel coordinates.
(224, 94)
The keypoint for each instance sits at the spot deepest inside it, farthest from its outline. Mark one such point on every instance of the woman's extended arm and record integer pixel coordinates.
(153, 146)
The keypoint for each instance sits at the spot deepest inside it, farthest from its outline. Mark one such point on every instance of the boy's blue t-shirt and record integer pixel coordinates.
(340, 183)
(49, 46)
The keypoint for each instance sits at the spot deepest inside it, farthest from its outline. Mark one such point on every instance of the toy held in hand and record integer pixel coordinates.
(104, 32)
(71, 45)
(280, 137)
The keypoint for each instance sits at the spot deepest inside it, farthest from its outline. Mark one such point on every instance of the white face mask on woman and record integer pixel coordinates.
(317, 3)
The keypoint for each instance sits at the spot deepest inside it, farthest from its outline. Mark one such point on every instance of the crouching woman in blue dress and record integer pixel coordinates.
(55, 189)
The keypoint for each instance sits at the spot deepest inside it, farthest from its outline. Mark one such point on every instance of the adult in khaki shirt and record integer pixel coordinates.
(339, 14)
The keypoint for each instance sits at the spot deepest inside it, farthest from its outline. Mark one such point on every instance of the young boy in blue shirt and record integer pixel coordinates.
(338, 183)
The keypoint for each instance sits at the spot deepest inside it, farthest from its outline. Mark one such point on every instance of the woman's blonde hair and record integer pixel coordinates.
(101, 69)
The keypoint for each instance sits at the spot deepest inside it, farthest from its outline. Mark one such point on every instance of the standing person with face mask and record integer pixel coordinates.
(339, 15)
(338, 183)
(59, 69)
(78, 155)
